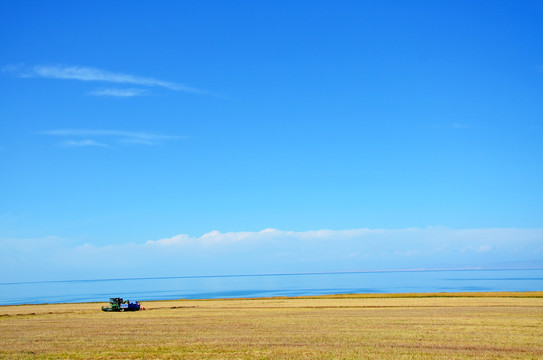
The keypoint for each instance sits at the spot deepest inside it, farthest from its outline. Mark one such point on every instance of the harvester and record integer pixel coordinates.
(117, 304)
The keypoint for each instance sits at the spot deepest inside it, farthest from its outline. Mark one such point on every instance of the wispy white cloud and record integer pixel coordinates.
(119, 92)
(102, 132)
(90, 74)
(83, 143)
(108, 137)
(10, 68)
(137, 141)
(460, 126)
(480, 249)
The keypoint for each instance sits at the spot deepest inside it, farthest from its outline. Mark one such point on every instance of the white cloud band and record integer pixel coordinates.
(277, 251)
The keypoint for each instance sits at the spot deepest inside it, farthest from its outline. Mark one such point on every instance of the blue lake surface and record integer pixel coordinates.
(234, 286)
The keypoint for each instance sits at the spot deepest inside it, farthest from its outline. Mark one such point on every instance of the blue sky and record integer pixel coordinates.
(126, 123)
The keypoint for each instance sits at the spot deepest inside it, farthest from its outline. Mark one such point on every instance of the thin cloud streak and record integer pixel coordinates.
(118, 136)
(460, 126)
(83, 73)
(83, 143)
(105, 132)
(119, 92)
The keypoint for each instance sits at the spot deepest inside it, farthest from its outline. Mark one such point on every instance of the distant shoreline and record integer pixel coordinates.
(463, 294)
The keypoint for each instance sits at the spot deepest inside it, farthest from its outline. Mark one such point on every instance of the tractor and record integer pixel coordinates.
(117, 304)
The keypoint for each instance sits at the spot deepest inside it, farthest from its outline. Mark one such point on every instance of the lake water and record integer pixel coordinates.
(213, 287)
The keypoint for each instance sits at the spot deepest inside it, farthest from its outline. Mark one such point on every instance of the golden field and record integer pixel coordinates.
(399, 326)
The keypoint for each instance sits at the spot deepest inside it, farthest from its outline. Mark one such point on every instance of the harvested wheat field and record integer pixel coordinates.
(421, 326)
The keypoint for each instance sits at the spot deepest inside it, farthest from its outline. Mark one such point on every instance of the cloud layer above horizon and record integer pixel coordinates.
(276, 251)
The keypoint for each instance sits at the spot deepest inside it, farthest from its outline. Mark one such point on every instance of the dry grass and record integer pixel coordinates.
(421, 326)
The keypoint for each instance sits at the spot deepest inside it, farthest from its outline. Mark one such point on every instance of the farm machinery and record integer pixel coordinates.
(117, 304)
